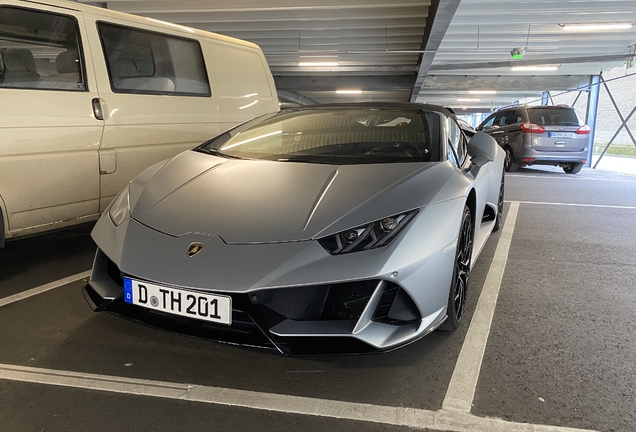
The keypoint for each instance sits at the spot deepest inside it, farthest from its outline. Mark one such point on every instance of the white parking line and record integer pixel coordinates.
(567, 177)
(411, 417)
(575, 204)
(29, 293)
(461, 390)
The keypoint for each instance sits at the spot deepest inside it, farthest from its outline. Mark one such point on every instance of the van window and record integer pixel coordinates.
(239, 72)
(39, 50)
(146, 62)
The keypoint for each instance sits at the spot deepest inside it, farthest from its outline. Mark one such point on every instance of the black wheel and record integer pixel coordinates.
(509, 163)
(572, 168)
(499, 220)
(461, 272)
(1, 229)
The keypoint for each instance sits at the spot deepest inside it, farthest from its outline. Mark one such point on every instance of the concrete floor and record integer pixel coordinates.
(621, 164)
(559, 352)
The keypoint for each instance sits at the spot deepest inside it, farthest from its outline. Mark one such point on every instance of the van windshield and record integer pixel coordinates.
(553, 116)
(335, 136)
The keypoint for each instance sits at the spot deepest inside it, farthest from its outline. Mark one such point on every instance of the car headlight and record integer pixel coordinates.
(370, 236)
(120, 208)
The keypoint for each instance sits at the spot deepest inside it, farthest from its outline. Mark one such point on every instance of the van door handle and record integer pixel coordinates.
(498, 133)
(97, 109)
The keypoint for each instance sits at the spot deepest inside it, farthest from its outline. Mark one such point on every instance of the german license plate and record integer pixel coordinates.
(561, 135)
(206, 307)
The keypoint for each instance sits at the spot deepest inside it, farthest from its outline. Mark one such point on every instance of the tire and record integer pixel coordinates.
(509, 162)
(499, 219)
(461, 273)
(2, 234)
(572, 168)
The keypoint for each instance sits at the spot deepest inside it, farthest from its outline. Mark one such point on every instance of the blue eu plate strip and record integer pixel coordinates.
(128, 290)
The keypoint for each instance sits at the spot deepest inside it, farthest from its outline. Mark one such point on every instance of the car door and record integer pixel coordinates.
(156, 97)
(498, 131)
(514, 136)
(486, 125)
(49, 135)
(481, 176)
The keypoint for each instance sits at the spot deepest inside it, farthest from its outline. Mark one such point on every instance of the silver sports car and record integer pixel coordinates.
(330, 229)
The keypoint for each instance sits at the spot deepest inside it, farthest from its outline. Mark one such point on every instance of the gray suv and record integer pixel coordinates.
(542, 135)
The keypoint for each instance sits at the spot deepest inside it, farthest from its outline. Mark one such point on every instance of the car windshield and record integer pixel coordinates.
(553, 116)
(335, 136)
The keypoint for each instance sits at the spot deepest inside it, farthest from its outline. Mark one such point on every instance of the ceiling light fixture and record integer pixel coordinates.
(596, 26)
(517, 53)
(326, 63)
(349, 91)
(534, 68)
(482, 91)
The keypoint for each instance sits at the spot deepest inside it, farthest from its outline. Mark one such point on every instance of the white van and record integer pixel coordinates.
(91, 97)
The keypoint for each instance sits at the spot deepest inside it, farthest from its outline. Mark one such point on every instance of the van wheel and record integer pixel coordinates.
(2, 233)
(509, 163)
(572, 168)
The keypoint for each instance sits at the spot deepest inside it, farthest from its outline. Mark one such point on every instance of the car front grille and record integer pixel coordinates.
(254, 313)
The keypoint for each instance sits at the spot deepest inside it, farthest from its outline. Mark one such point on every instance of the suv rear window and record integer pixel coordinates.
(553, 116)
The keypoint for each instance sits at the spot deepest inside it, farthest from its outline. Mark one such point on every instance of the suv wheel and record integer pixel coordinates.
(572, 168)
(509, 163)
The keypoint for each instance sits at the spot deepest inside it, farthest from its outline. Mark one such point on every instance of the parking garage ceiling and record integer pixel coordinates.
(420, 50)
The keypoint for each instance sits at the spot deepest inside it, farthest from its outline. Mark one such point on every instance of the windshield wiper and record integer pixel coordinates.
(215, 153)
(305, 159)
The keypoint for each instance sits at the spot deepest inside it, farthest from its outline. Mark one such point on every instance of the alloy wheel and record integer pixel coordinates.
(508, 160)
(462, 266)
(500, 203)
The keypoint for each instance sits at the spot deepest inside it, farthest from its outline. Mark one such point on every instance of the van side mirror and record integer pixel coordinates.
(483, 148)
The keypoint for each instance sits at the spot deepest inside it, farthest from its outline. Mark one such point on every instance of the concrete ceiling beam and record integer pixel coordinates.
(531, 62)
(332, 83)
(440, 15)
(519, 83)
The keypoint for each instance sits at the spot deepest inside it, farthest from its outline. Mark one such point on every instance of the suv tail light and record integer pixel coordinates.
(583, 130)
(532, 128)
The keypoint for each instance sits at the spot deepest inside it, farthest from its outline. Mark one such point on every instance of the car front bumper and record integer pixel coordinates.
(350, 317)
(378, 300)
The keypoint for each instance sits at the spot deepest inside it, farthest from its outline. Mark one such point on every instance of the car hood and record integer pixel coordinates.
(257, 201)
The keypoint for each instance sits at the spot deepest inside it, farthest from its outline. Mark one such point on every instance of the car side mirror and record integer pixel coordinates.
(483, 148)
